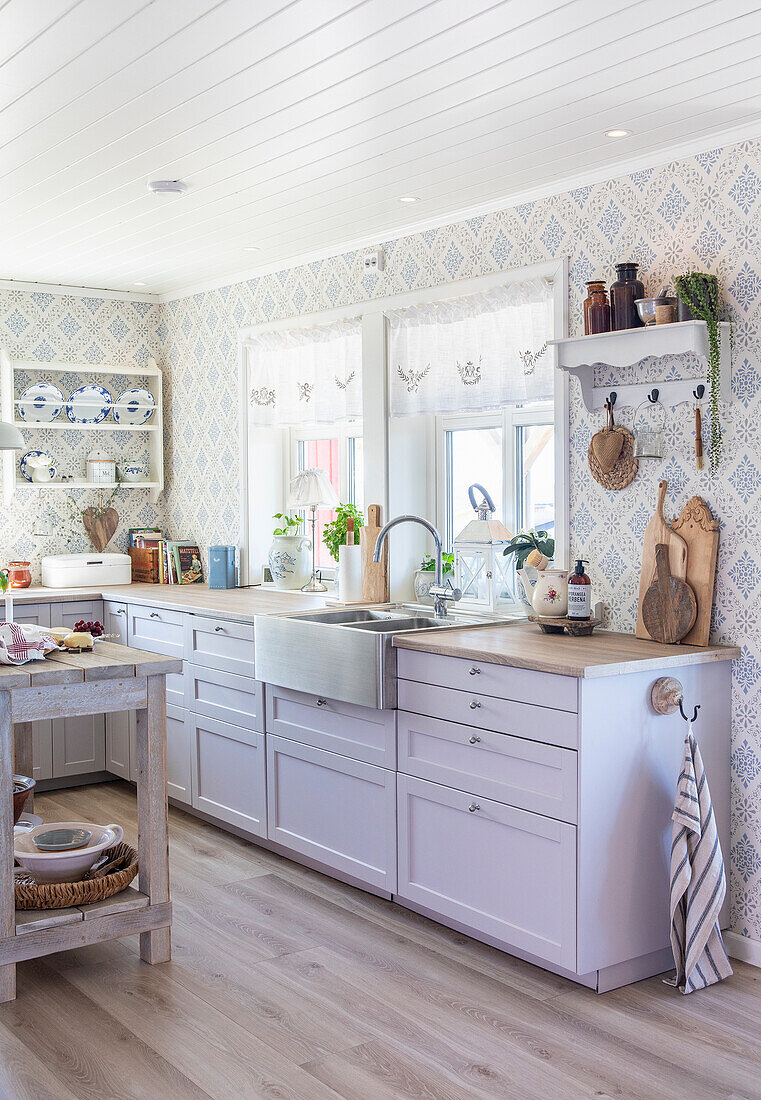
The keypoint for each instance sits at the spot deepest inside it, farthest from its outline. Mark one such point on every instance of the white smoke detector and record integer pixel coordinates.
(167, 187)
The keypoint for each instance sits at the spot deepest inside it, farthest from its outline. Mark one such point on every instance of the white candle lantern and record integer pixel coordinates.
(481, 570)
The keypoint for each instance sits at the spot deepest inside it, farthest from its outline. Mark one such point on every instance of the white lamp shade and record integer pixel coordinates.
(11, 438)
(312, 489)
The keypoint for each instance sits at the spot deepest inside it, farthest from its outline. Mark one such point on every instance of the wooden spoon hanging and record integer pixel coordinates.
(669, 608)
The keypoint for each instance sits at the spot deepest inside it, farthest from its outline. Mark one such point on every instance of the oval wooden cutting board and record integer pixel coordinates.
(659, 533)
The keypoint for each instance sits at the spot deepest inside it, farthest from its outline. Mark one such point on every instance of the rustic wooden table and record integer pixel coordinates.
(112, 678)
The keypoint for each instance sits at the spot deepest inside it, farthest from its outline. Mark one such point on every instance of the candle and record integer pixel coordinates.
(8, 606)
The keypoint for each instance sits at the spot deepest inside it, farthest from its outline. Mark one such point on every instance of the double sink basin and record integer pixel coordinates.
(346, 653)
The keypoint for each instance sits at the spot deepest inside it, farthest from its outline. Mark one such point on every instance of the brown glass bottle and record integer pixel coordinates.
(579, 593)
(624, 292)
(596, 309)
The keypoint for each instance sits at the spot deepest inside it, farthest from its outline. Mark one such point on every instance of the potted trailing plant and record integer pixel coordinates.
(698, 295)
(288, 557)
(423, 577)
(334, 534)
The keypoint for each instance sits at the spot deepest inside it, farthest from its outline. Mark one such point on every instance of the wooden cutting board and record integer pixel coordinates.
(658, 533)
(374, 574)
(100, 526)
(700, 530)
(669, 606)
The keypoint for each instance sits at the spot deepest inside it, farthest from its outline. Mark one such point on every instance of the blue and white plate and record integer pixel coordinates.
(26, 470)
(41, 403)
(134, 406)
(88, 405)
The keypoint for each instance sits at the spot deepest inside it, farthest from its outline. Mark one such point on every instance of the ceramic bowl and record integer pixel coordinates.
(67, 866)
(22, 785)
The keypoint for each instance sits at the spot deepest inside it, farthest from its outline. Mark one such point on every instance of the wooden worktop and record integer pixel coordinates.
(522, 645)
(241, 604)
(107, 661)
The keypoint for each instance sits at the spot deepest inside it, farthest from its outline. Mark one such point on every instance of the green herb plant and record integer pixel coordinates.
(428, 564)
(4, 580)
(334, 534)
(288, 524)
(525, 541)
(700, 293)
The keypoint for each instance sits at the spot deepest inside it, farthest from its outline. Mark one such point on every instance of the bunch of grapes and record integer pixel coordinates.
(96, 628)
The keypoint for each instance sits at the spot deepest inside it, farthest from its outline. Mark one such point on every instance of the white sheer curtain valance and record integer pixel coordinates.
(298, 377)
(479, 352)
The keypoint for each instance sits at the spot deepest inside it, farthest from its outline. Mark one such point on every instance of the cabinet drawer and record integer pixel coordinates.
(522, 685)
(229, 774)
(218, 643)
(338, 811)
(226, 697)
(552, 727)
(160, 631)
(361, 733)
(178, 755)
(497, 870)
(533, 776)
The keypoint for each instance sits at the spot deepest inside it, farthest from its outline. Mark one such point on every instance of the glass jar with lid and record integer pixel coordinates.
(624, 293)
(596, 308)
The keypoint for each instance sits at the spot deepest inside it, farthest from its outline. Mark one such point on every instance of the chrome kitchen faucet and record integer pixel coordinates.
(441, 592)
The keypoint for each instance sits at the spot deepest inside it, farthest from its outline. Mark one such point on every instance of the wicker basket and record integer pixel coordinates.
(61, 895)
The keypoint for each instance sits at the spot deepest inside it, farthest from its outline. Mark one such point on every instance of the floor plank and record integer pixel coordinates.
(287, 984)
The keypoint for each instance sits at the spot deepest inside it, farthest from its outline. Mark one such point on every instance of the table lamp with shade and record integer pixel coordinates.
(11, 439)
(312, 489)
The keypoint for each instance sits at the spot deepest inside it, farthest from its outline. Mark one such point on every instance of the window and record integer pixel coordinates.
(340, 453)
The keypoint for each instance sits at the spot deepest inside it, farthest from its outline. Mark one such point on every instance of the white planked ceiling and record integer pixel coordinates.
(299, 124)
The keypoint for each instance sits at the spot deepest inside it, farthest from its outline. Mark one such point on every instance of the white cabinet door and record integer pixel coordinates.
(179, 732)
(494, 869)
(338, 811)
(79, 744)
(118, 725)
(160, 631)
(42, 732)
(229, 773)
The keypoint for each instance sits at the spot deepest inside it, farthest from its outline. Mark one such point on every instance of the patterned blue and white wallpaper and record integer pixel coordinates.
(68, 328)
(701, 212)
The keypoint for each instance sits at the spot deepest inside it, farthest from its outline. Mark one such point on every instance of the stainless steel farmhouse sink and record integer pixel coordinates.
(345, 654)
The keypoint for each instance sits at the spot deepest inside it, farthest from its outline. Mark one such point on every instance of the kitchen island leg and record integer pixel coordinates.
(23, 757)
(153, 815)
(7, 888)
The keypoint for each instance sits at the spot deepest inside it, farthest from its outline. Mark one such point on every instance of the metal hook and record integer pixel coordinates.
(611, 399)
(653, 396)
(698, 393)
(694, 713)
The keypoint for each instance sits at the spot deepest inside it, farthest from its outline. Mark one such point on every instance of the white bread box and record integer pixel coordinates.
(86, 570)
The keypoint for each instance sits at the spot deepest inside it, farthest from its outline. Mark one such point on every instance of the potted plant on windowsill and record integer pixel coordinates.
(334, 535)
(423, 577)
(698, 295)
(288, 557)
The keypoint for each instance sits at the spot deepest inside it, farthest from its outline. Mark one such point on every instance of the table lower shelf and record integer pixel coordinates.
(45, 931)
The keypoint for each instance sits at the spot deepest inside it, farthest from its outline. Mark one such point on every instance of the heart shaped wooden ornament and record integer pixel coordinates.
(607, 444)
(100, 526)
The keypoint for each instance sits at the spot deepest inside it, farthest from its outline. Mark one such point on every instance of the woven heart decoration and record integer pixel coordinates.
(607, 444)
(100, 526)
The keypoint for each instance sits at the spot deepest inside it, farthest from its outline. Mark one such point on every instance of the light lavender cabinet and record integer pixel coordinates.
(160, 631)
(120, 725)
(225, 696)
(221, 644)
(336, 811)
(79, 744)
(361, 733)
(495, 869)
(179, 768)
(228, 769)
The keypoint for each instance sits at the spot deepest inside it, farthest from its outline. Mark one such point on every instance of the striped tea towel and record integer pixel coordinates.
(698, 883)
(21, 642)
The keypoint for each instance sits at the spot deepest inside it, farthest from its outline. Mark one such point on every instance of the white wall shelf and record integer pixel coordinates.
(581, 354)
(153, 431)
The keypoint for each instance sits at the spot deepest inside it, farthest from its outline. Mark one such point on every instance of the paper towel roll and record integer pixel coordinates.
(350, 574)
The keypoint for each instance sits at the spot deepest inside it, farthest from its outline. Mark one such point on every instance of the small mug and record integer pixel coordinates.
(131, 471)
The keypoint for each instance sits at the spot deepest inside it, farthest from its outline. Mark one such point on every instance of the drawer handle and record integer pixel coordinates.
(475, 739)
(322, 702)
(473, 807)
(155, 615)
(121, 611)
(475, 671)
(475, 704)
(219, 629)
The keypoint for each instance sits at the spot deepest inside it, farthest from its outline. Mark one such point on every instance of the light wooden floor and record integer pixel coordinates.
(285, 984)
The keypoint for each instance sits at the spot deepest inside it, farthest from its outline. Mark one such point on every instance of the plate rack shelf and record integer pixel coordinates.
(150, 434)
(581, 354)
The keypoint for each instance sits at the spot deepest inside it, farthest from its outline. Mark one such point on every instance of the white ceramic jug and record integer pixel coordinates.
(290, 561)
(549, 596)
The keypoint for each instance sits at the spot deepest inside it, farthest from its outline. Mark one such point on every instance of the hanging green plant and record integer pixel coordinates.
(700, 293)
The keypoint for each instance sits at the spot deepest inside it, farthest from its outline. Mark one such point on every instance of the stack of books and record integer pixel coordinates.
(170, 561)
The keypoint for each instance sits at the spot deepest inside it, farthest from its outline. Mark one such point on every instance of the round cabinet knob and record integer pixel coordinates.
(475, 704)
(473, 807)
(219, 629)
(475, 739)
(322, 702)
(475, 671)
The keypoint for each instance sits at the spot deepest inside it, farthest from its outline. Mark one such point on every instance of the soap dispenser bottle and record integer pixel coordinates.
(579, 592)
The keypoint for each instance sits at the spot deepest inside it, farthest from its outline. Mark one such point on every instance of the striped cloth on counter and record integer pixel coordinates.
(20, 642)
(698, 882)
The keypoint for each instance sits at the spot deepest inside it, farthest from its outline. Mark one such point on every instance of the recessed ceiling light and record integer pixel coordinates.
(409, 198)
(617, 133)
(251, 248)
(138, 284)
(167, 187)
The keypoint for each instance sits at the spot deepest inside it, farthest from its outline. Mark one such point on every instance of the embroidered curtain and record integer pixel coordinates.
(476, 353)
(305, 376)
